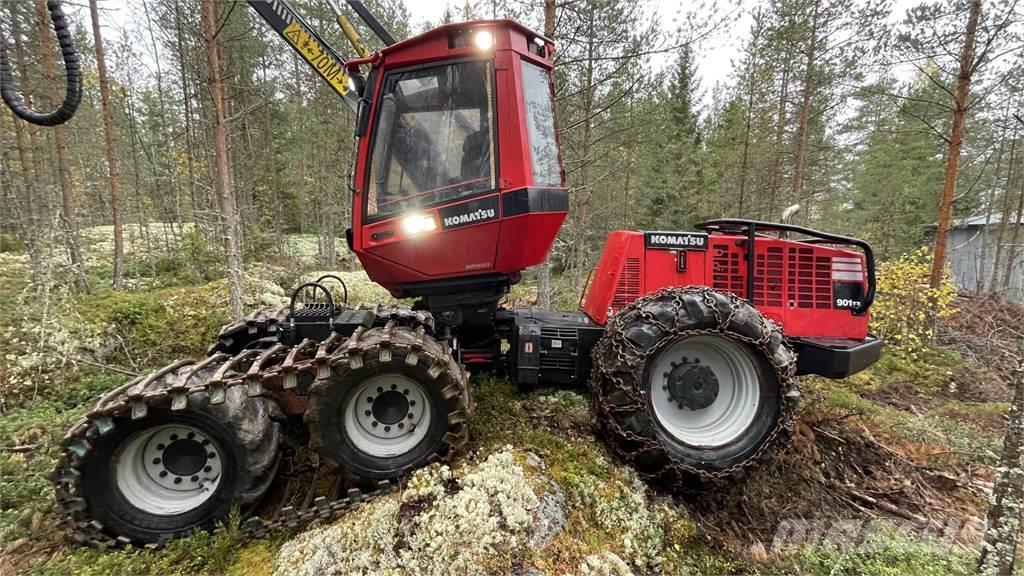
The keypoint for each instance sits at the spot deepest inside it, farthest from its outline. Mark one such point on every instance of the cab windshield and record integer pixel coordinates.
(434, 137)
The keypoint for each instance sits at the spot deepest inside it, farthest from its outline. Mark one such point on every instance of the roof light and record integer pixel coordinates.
(483, 39)
(418, 224)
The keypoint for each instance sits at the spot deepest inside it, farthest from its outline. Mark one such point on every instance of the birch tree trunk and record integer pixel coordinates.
(999, 548)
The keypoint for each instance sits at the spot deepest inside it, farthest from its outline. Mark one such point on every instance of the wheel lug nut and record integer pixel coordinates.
(367, 413)
(195, 478)
(156, 460)
(409, 416)
(380, 390)
(177, 480)
(374, 424)
(206, 442)
(163, 473)
(160, 447)
(387, 428)
(394, 386)
(369, 399)
(211, 455)
(412, 402)
(174, 437)
(401, 425)
(191, 435)
(207, 468)
(406, 391)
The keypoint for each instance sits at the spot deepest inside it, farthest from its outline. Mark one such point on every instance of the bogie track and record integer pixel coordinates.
(232, 401)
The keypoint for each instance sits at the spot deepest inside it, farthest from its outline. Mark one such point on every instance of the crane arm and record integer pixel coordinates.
(319, 55)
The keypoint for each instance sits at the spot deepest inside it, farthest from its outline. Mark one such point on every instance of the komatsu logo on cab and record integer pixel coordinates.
(468, 213)
(676, 240)
(482, 214)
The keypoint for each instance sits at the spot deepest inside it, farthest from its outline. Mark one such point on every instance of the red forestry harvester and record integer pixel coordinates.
(689, 341)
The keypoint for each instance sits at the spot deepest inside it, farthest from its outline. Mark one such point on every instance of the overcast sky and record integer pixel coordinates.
(716, 53)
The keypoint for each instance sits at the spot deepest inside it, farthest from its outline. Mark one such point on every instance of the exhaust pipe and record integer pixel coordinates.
(789, 213)
(787, 218)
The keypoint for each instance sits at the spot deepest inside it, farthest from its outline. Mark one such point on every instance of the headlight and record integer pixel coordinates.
(483, 39)
(418, 224)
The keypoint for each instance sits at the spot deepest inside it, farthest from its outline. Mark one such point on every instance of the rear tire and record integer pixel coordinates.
(693, 382)
(402, 405)
(173, 472)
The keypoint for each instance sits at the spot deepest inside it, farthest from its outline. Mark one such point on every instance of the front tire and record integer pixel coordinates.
(693, 382)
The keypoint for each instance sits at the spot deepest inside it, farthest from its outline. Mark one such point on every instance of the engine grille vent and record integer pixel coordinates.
(557, 363)
(628, 288)
(557, 333)
(727, 270)
(769, 271)
(810, 279)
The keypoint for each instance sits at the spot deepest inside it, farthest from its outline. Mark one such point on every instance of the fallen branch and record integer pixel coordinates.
(888, 507)
(20, 449)
(98, 365)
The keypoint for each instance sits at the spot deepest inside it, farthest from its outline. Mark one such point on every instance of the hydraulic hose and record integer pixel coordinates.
(72, 72)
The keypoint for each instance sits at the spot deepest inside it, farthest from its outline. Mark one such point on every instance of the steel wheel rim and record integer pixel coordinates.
(733, 409)
(387, 415)
(169, 469)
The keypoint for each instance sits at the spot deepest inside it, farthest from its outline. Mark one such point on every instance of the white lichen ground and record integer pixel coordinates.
(440, 525)
(485, 519)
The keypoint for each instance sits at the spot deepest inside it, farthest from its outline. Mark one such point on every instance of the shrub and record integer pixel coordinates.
(906, 309)
(10, 242)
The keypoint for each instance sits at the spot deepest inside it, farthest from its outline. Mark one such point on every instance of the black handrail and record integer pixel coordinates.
(72, 73)
(751, 227)
(340, 281)
(298, 290)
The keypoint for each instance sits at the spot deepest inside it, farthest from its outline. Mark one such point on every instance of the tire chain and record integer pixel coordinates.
(615, 351)
(176, 386)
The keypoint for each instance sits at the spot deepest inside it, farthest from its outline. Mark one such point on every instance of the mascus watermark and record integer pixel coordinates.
(847, 533)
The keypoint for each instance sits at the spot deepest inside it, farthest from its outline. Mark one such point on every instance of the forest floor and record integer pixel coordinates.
(888, 472)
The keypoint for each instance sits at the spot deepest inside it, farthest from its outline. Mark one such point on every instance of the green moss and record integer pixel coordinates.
(255, 559)
(25, 487)
(199, 554)
(10, 242)
(159, 326)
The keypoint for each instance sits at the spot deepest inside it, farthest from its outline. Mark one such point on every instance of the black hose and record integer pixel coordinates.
(72, 71)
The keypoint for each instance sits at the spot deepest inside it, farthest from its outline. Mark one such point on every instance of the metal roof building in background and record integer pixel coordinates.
(972, 252)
